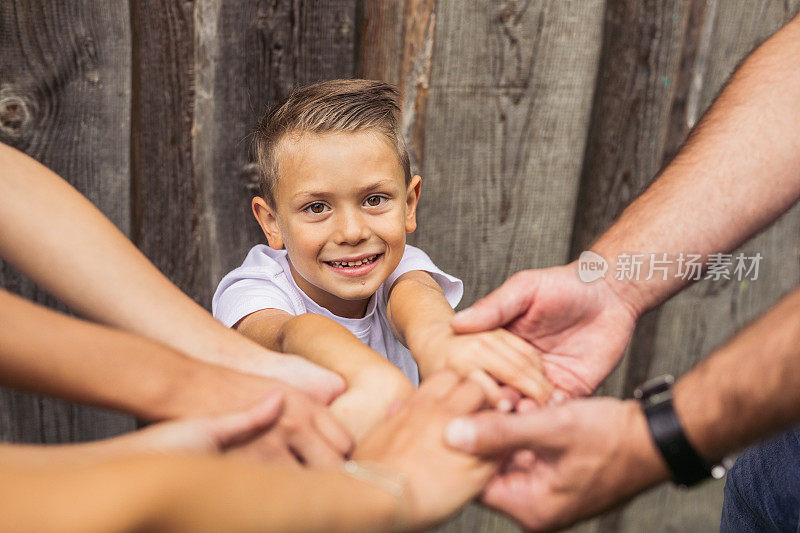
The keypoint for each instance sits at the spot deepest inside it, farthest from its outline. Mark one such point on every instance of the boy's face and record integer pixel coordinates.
(342, 212)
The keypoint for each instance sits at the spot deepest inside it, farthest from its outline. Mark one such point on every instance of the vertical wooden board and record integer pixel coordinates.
(64, 100)
(691, 325)
(250, 55)
(166, 196)
(510, 93)
(380, 38)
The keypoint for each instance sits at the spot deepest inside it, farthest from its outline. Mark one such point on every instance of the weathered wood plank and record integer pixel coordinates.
(166, 196)
(662, 64)
(250, 55)
(64, 100)
(510, 94)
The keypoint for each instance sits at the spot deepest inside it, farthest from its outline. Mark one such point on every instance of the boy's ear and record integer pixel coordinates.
(265, 216)
(412, 198)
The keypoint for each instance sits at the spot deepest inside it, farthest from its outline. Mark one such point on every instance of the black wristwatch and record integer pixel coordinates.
(687, 467)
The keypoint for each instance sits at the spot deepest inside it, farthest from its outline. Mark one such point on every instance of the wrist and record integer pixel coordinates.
(431, 331)
(395, 510)
(645, 463)
(423, 346)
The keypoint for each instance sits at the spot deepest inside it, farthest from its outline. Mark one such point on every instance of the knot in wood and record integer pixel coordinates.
(15, 113)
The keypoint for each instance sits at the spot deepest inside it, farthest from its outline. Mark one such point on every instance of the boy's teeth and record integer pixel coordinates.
(352, 264)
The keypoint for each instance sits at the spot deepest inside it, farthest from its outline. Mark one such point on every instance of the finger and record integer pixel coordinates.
(511, 493)
(271, 447)
(525, 349)
(508, 366)
(314, 451)
(526, 405)
(466, 398)
(529, 364)
(494, 393)
(274, 453)
(497, 309)
(491, 433)
(436, 387)
(333, 432)
(236, 428)
(512, 395)
(521, 460)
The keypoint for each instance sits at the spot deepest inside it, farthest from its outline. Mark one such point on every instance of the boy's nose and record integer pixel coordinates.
(351, 229)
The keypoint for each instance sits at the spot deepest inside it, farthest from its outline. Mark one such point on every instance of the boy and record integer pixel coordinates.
(347, 292)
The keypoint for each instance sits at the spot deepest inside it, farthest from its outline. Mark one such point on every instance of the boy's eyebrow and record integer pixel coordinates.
(376, 186)
(311, 193)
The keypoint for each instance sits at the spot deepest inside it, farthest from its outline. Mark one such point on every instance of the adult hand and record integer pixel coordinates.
(319, 383)
(204, 434)
(439, 479)
(576, 460)
(581, 329)
(306, 430)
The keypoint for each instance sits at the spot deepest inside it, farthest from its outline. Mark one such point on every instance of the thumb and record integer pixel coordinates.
(498, 308)
(492, 433)
(240, 427)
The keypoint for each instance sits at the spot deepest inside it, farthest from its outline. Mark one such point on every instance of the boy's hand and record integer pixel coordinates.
(491, 358)
(369, 397)
(580, 329)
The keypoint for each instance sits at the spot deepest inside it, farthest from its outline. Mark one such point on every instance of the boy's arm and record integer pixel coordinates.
(420, 317)
(103, 276)
(373, 382)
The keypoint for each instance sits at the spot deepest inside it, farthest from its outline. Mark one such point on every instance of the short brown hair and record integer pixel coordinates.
(327, 107)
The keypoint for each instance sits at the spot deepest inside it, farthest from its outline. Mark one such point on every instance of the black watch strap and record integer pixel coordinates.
(687, 467)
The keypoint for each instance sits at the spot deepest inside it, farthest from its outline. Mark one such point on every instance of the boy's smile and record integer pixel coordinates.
(342, 210)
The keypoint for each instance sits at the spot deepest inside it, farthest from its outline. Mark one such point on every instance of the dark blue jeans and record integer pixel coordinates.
(762, 492)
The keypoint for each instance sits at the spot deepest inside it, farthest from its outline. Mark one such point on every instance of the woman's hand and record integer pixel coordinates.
(206, 434)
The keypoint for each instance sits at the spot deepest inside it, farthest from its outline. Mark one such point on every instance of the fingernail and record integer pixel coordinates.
(557, 398)
(504, 405)
(460, 433)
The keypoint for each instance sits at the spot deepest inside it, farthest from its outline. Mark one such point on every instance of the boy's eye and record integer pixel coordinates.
(374, 200)
(316, 208)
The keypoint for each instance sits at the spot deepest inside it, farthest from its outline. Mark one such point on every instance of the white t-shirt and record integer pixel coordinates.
(264, 281)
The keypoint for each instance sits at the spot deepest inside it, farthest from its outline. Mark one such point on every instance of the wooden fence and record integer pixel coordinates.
(532, 122)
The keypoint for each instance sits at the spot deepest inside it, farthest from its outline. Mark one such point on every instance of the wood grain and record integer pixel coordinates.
(250, 55)
(65, 101)
(510, 94)
(403, 30)
(662, 64)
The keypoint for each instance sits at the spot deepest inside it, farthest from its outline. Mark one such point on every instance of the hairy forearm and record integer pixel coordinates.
(101, 274)
(739, 170)
(188, 494)
(417, 309)
(748, 389)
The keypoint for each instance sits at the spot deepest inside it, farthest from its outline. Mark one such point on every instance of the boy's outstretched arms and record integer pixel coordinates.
(420, 316)
(373, 383)
(48, 352)
(103, 276)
